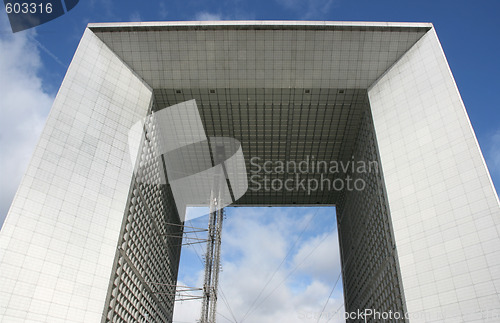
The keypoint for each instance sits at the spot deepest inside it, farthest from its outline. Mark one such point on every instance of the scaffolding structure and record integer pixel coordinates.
(212, 264)
(212, 256)
(213, 250)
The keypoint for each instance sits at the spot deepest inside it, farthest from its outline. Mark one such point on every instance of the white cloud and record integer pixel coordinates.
(254, 243)
(135, 17)
(24, 107)
(229, 12)
(309, 9)
(103, 6)
(163, 12)
(319, 256)
(193, 212)
(188, 310)
(207, 16)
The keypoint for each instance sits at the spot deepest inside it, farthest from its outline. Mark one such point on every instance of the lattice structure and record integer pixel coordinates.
(142, 287)
(212, 268)
(273, 124)
(212, 256)
(369, 261)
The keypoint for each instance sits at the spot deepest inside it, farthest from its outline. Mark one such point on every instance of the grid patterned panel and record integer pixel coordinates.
(249, 56)
(59, 239)
(369, 261)
(280, 125)
(142, 286)
(444, 208)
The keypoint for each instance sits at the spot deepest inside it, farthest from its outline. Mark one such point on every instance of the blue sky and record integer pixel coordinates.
(33, 64)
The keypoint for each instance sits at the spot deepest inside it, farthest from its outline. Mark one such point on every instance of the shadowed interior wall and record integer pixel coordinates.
(370, 268)
(144, 274)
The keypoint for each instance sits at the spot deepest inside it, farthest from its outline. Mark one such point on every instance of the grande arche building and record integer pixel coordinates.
(85, 241)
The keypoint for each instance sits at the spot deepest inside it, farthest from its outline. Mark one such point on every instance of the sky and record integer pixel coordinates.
(33, 64)
(279, 264)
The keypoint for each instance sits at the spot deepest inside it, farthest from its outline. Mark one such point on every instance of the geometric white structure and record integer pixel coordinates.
(85, 242)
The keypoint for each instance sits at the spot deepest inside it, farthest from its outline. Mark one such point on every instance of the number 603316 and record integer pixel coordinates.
(27, 7)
